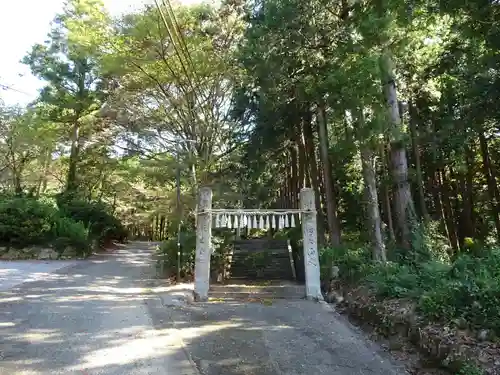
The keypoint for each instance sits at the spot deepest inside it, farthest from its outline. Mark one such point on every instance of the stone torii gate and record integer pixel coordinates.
(306, 214)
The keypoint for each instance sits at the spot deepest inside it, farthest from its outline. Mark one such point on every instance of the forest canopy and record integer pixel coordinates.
(388, 110)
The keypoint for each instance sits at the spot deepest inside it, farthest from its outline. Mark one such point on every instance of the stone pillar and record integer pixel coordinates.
(310, 239)
(203, 245)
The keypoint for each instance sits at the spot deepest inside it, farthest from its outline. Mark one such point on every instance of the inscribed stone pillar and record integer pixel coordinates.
(203, 245)
(310, 236)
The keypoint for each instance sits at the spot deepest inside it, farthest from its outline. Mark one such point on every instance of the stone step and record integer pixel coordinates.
(287, 276)
(240, 291)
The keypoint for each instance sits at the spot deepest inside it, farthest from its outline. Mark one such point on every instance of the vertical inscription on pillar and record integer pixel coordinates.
(203, 245)
(309, 232)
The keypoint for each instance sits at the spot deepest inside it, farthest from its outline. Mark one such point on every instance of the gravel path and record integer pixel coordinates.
(107, 316)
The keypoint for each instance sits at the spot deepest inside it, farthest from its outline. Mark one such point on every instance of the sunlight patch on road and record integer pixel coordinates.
(192, 333)
(38, 336)
(10, 299)
(134, 350)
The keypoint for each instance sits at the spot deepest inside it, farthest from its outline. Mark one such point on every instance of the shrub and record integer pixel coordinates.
(168, 251)
(467, 288)
(25, 222)
(353, 262)
(67, 232)
(95, 216)
(393, 280)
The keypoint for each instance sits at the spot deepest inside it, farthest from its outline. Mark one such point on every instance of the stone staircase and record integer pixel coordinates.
(262, 290)
(262, 269)
(261, 259)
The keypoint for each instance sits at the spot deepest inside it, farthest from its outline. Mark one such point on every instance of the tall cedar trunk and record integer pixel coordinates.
(295, 177)
(456, 204)
(467, 187)
(305, 158)
(385, 195)
(302, 159)
(321, 180)
(289, 182)
(312, 166)
(490, 180)
(418, 165)
(447, 209)
(368, 168)
(438, 203)
(331, 199)
(374, 219)
(403, 202)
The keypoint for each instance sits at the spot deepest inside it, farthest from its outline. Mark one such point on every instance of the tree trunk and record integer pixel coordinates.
(295, 177)
(403, 202)
(485, 154)
(374, 219)
(447, 209)
(418, 166)
(385, 194)
(304, 171)
(467, 187)
(312, 166)
(331, 199)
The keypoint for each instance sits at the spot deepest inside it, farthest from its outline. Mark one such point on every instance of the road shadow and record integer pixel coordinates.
(282, 337)
(84, 320)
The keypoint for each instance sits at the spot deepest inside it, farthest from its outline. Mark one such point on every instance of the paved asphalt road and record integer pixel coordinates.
(107, 316)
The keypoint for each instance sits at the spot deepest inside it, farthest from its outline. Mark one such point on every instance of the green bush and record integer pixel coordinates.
(471, 291)
(353, 262)
(467, 288)
(168, 251)
(95, 216)
(393, 280)
(25, 222)
(67, 232)
(470, 369)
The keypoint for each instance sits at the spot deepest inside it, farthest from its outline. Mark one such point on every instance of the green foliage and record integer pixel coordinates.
(352, 262)
(95, 216)
(468, 288)
(471, 291)
(25, 221)
(470, 369)
(168, 252)
(428, 244)
(67, 232)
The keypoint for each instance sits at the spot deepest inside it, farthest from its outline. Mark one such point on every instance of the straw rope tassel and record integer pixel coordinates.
(292, 224)
(255, 225)
(267, 226)
(287, 223)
